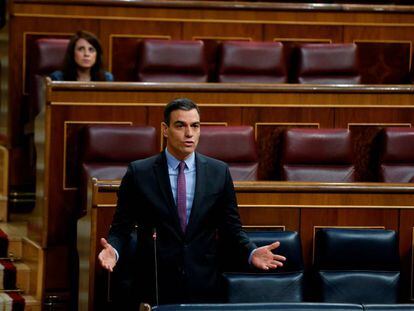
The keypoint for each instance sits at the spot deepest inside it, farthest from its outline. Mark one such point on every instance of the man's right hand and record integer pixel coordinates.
(107, 256)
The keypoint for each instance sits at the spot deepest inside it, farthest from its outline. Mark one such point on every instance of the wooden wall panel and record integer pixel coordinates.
(287, 219)
(298, 32)
(222, 31)
(383, 62)
(382, 116)
(382, 32)
(279, 114)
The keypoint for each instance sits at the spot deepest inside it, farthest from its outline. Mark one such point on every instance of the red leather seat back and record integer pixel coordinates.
(234, 145)
(172, 61)
(321, 63)
(107, 149)
(48, 56)
(397, 155)
(255, 62)
(323, 155)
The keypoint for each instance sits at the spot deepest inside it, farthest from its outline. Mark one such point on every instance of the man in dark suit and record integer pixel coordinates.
(183, 203)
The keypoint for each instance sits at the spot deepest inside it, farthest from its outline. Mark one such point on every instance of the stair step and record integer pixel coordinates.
(32, 256)
(27, 254)
(15, 232)
(22, 276)
(32, 304)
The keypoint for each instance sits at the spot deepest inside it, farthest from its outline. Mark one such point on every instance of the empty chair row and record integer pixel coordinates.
(328, 155)
(350, 266)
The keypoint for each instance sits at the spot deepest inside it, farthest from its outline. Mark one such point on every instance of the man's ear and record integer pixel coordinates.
(164, 127)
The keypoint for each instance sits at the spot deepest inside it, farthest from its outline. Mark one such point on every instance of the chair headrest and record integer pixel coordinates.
(247, 61)
(329, 59)
(231, 144)
(48, 55)
(117, 143)
(362, 249)
(172, 61)
(317, 146)
(398, 145)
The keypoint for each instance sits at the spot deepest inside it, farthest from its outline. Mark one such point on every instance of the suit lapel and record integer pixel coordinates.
(161, 172)
(201, 177)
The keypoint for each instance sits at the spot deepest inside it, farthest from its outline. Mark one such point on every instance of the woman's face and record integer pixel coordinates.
(85, 54)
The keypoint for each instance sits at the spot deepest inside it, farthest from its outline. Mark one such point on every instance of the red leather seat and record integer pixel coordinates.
(255, 62)
(47, 56)
(397, 155)
(323, 155)
(107, 149)
(234, 145)
(172, 61)
(321, 63)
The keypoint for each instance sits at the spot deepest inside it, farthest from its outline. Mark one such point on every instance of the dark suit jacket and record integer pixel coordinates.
(187, 263)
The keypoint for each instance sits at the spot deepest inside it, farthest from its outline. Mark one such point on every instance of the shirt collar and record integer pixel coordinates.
(174, 162)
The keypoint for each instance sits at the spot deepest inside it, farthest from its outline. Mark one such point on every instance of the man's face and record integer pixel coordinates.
(183, 132)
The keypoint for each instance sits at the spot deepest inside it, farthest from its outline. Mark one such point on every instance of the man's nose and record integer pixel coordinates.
(189, 131)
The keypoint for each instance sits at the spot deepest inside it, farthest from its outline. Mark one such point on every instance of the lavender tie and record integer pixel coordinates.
(182, 196)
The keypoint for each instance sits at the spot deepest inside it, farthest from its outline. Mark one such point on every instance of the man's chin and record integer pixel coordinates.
(187, 151)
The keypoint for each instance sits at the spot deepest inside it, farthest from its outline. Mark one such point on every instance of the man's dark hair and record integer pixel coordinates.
(179, 104)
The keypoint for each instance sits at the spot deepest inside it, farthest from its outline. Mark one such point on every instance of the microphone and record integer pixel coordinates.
(154, 238)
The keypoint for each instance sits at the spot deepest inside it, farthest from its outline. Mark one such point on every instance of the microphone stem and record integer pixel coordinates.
(154, 237)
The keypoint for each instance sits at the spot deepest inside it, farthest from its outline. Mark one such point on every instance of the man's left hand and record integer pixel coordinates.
(263, 258)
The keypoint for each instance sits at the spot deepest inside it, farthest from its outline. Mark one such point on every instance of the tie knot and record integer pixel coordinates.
(181, 166)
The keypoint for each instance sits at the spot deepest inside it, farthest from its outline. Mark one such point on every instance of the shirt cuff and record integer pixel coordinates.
(251, 255)
(117, 254)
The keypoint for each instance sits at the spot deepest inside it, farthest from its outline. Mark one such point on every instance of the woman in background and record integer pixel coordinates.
(83, 60)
